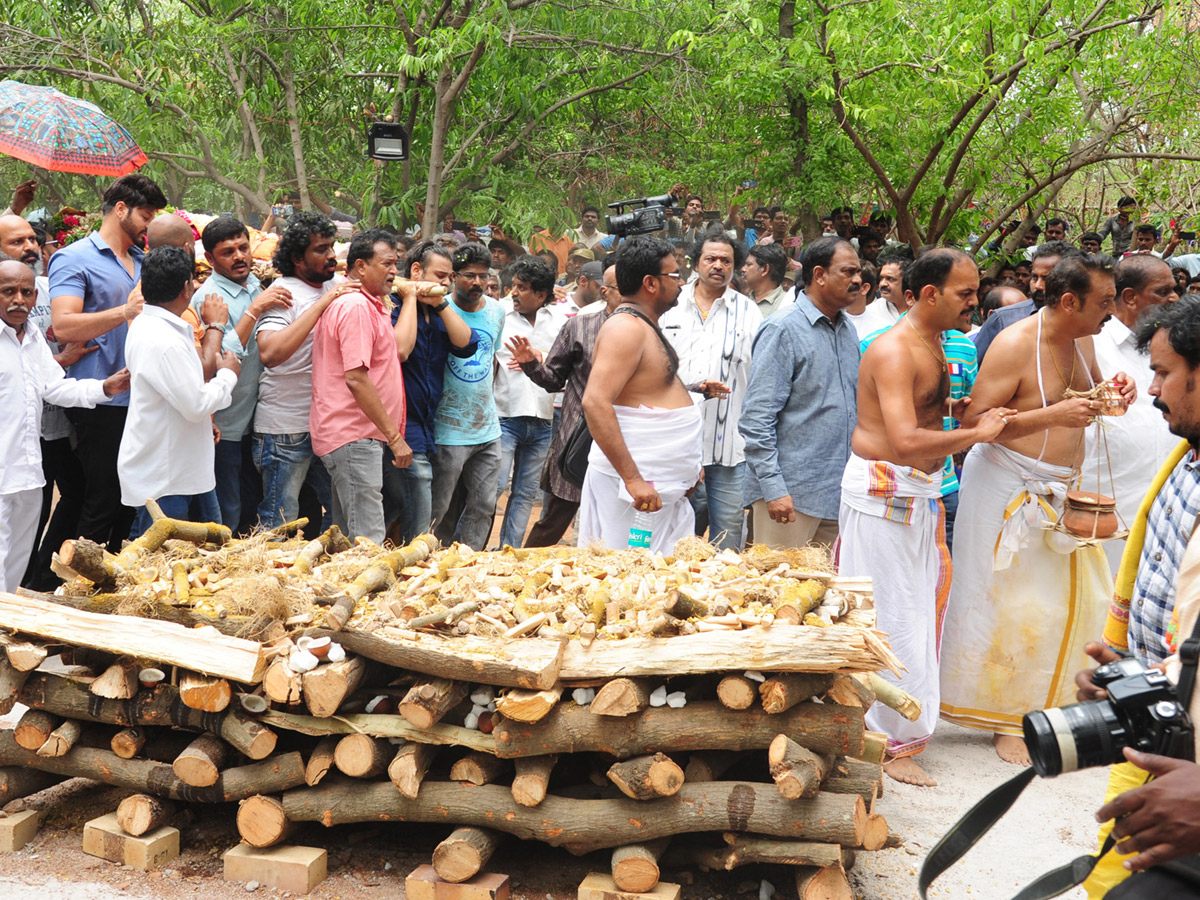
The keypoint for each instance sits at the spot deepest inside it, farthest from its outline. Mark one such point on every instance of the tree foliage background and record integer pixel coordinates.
(955, 117)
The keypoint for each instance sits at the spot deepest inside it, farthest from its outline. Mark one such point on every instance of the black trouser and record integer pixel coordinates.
(60, 468)
(557, 516)
(1175, 880)
(102, 518)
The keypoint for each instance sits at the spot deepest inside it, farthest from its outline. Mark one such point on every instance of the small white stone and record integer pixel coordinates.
(754, 676)
(677, 700)
(336, 653)
(251, 886)
(302, 661)
(580, 696)
(482, 696)
(766, 890)
(659, 696)
(471, 721)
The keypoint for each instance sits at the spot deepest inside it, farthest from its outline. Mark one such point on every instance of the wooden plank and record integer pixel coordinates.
(522, 662)
(779, 648)
(202, 649)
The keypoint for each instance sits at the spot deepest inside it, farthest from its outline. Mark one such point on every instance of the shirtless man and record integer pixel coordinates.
(646, 428)
(892, 521)
(1025, 600)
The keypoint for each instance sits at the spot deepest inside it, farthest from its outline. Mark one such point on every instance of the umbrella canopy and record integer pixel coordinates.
(49, 129)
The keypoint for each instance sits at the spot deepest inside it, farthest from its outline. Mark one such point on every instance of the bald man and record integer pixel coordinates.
(29, 376)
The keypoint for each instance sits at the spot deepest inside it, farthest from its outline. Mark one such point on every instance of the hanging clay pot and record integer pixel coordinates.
(1087, 514)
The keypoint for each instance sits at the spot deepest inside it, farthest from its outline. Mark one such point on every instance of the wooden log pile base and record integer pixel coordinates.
(587, 699)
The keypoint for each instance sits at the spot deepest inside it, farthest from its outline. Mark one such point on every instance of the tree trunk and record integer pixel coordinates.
(849, 776)
(736, 692)
(797, 772)
(261, 821)
(16, 783)
(590, 824)
(276, 774)
(748, 849)
(461, 856)
(782, 692)
(138, 814)
(826, 728)
(647, 777)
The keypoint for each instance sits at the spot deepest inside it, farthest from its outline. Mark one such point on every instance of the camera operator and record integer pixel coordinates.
(1159, 821)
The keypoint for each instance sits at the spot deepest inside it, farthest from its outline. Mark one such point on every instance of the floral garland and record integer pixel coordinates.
(72, 225)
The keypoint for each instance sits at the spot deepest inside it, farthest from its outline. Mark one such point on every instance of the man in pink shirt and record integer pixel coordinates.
(358, 391)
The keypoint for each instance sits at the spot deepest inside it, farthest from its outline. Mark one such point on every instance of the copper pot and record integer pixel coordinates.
(1112, 403)
(1087, 514)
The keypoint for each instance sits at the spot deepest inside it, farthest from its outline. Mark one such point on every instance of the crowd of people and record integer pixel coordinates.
(925, 415)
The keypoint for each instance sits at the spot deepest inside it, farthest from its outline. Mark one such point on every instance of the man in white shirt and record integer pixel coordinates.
(166, 451)
(885, 311)
(282, 448)
(712, 329)
(28, 377)
(526, 410)
(1137, 443)
(587, 233)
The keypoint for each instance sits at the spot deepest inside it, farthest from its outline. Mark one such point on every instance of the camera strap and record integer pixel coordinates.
(967, 832)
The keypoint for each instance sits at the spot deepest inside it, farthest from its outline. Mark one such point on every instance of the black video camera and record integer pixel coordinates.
(1141, 711)
(649, 217)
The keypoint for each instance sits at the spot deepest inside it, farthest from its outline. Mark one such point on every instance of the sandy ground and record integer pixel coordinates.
(1051, 824)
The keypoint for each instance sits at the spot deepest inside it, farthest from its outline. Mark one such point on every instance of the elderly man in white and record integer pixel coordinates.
(167, 448)
(1136, 444)
(29, 376)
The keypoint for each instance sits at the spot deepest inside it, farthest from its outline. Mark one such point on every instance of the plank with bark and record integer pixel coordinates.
(782, 692)
(61, 739)
(205, 651)
(321, 760)
(826, 727)
(589, 824)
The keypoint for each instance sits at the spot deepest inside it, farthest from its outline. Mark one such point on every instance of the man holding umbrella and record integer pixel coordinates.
(90, 285)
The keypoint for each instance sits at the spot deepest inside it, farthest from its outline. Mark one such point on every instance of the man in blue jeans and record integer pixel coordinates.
(526, 410)
(428, 330)
(282, 447)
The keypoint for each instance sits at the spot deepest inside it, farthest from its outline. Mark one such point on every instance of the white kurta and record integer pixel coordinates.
(665, 444)
(1135, 444)
(893, 529)
(1020, 611)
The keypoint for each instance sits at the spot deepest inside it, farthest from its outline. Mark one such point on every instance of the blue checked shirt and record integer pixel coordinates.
(1168, 528)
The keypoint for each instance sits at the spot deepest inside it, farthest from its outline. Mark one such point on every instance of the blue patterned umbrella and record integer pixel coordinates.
(49, 129)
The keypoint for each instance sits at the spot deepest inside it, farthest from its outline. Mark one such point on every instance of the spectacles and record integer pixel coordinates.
(471, 276)
(675, 275)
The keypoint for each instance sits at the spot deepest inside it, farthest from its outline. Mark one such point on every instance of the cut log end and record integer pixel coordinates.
(647, 777)
(139, 814)
(261, 821)
(464, 853)
(200, 764)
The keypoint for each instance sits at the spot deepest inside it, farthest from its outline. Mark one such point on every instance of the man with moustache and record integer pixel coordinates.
(29, 377)
(227, 248)
(1025, 600)
(892, 522)
(428, 331)
(358, 391)
(526, 410)
(467, 425)
(564, 369)
(282, 446)
(646, 430)
(712, 328)
(887, 309)
(92, 300)
(1045, 258)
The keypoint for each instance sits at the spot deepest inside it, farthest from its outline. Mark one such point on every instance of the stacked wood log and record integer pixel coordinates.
(585, 699)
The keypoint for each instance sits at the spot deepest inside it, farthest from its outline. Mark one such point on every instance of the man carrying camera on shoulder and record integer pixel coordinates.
(1156, 824)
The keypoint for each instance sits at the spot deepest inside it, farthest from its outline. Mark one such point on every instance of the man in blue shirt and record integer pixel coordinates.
(227, 249)
(90, 286)
(432, 332)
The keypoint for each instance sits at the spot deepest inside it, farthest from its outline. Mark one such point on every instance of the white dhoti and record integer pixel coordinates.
(665, 444)
(893, 528)
(1025, 600)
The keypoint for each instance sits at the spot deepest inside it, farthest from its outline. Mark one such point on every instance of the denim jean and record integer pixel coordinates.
(286, 461)
(524, 442)
(356, 476)
(176, 506)
(227, 465)
(408, 495)
(717, 503)
(479, 467)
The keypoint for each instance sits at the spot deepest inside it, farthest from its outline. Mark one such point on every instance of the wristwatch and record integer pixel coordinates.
(441, 306)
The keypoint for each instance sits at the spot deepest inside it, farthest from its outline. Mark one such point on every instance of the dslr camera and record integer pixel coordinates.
(650, 216)
(1141, 711)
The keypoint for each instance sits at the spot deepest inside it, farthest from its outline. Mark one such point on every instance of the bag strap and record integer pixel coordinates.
(672, 356)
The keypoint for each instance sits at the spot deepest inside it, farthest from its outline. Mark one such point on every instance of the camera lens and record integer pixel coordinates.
(1074, 737)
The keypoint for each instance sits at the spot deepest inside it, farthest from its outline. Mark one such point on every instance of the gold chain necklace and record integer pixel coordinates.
(1067, 384)
(940, 357)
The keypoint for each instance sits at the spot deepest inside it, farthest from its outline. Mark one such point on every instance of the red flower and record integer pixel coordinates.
(71, 220)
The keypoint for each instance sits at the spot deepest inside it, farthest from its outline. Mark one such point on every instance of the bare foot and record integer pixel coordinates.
(905, 769)
(1011, 749)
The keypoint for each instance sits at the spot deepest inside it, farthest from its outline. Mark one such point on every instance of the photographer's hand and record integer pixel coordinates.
(1083, 680)
(1159, 821)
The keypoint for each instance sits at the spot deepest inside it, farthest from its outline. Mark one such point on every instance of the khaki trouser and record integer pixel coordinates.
(800, 533)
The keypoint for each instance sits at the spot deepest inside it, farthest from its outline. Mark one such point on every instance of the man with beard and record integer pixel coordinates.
(282, 446)
(227, 248)
(892, 521)
(712, 328)
(1045, 259)
(467, 425)
(92, 300)
(1025, 600)
(646, 452)
(29, 376)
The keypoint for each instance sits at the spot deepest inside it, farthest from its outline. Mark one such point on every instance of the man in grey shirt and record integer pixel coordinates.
(801, 404)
